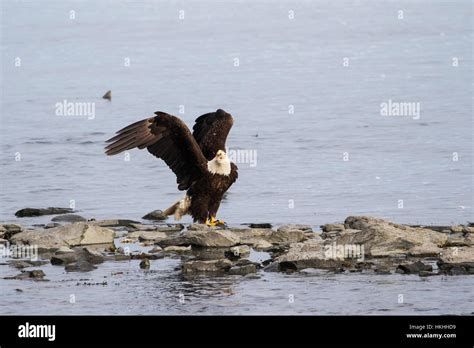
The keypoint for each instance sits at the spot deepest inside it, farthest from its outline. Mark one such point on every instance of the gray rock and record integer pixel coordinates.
(262, 245)
(382, 238)
(311, 254)
(80, 266)
(52, 225)
(332, 227)
(243, 270)
(170, 228)
(26, 263)
(427, 274)
(412, 268)
(145, 264)
(76, 234)
(36, 274)
(210, 266)
(260, 225)
(8, 230)
(292, 227)
(177, 249)
(63, 259)
(286, 236)
(81, 256)
(155, 215)
(210, 238)
(3, 241)
(68, 218)
(143, 256)
(156, 249)
(468, 229)
(456, 229)
(114, 223)
(28, 212)
(147, 235)
(459, 240)
(64, 250)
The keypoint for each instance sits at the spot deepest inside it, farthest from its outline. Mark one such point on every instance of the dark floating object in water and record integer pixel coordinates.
(108, 95)
(260, 225)
(68, 218)
(27, 212)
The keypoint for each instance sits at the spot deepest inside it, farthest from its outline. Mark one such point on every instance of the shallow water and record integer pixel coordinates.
(162, 290)
(301, 175)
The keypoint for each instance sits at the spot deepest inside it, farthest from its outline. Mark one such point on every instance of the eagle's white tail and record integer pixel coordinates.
(180, 208)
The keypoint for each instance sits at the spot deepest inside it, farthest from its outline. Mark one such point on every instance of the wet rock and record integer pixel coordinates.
(170, 228)
(427, 274)
(28, 212)
(155, 215)
(147, 235)
(26, 263)
(8, 230)
(114, 223)
(52, 225)
(209, 253)
(312, 253)
(382, 238)
(332, 227)
(457, 255)
(81, 255)
(80, 266)
(412, 268)
(145, 264)
(92, 256)
(210, 266)
(143, 256)
(177, 249)
(286, 236)
(119, 257)
(64, 250)
(199, 227)
(36, 274)
(156, 249)
(293, 227)
(262, 245)
(459, 239)
(68, 218)
(243, 270)
(260, 225)
(63, 259)
(468, 229)
(76, 234)
(210, 238)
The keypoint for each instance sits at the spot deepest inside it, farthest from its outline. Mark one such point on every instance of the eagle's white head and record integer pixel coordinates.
(219, 164)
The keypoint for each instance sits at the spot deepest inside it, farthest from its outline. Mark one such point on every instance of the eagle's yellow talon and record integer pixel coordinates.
(217, 222)
(211, 223)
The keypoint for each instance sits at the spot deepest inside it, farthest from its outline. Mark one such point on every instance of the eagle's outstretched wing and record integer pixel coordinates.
(211, 130)
(166, 137)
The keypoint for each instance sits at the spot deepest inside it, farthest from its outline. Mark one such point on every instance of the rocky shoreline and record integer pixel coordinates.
(360, 244)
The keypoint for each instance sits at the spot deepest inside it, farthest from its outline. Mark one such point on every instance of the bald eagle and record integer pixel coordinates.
(198, 160)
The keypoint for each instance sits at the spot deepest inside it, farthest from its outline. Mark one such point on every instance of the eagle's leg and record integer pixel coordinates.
(211, 222)
(217, 222)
